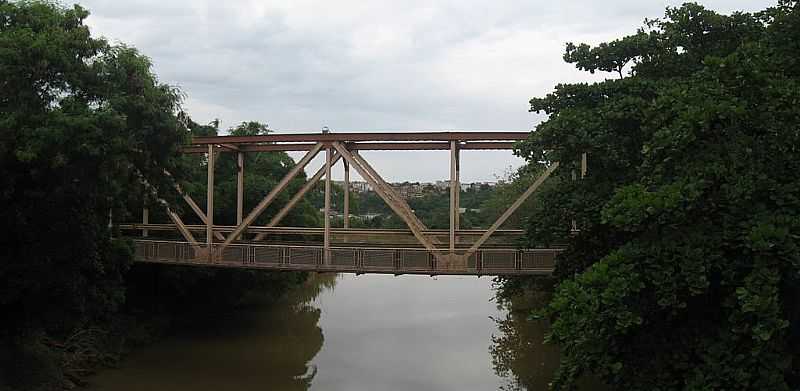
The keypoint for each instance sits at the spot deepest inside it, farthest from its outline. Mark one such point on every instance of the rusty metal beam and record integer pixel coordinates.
(326, 255)
(346, 212)
(239, 187)
(584, 165)
(296, 198)
(145, 220)
(386, 198)
(318, 230)
(454, 190)
(182, 228)
(511, 209)
(272, 194)
(363, 136)
(199, 212)
(210, 205)
(361, 146)
(390, 192)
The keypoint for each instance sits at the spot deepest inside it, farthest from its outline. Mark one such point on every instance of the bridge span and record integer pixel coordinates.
(415, 250)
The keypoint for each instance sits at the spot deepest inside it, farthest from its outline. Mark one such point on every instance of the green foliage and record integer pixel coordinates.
(190, 290)
(81, 121)
(689, 245)
(82, 125)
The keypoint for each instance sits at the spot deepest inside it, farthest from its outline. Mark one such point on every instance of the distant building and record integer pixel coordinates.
(360, 187)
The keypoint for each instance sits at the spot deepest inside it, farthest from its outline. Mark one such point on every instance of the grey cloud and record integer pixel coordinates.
(385, 65)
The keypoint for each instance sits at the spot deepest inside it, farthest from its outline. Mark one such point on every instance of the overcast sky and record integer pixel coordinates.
(409, 65)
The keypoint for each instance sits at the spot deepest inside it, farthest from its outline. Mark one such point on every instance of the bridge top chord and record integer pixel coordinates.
(485, 140)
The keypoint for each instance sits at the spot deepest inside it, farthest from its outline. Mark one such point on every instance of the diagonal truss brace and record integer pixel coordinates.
(266, 201)
(182, 228)
(199, 212)
(172, 215)
(393, 204)
(396, 198)
(297, 197)
(511, 209)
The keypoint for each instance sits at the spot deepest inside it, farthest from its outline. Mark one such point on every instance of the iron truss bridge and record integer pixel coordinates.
(415, 250)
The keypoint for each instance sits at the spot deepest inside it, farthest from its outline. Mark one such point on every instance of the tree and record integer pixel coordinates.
(689, 247)
(188, 290)
(81, 121)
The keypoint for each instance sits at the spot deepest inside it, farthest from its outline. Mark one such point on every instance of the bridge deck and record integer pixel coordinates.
(359, 260)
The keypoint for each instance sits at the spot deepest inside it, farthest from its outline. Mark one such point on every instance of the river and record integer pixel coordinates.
(369, 332)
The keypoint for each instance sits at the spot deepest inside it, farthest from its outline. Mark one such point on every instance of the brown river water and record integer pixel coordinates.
(369, 332)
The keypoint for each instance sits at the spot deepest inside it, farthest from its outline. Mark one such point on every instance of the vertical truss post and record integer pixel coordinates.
(346, 195)
(239, 187)
(573, 223)
(584, 165)
(455, 188)
(458, 186)
(574, 229)
(145, 220)
(326, 256)
(210, 204)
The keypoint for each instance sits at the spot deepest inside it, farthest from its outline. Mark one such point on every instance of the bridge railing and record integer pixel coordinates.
(346, 259)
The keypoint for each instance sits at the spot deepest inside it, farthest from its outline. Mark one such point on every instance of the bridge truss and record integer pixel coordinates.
(416, 250)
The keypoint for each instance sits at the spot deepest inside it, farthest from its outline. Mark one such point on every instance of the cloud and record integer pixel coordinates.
(379, 65)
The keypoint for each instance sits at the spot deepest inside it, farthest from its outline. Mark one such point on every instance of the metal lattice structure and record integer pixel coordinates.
(417, 250)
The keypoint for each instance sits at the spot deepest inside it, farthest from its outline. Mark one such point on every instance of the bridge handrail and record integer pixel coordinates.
(397, 260)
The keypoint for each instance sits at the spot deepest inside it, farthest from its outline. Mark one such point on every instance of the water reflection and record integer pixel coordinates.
(380, 333)
(519, 354)
(252, 350)
(406, 333)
